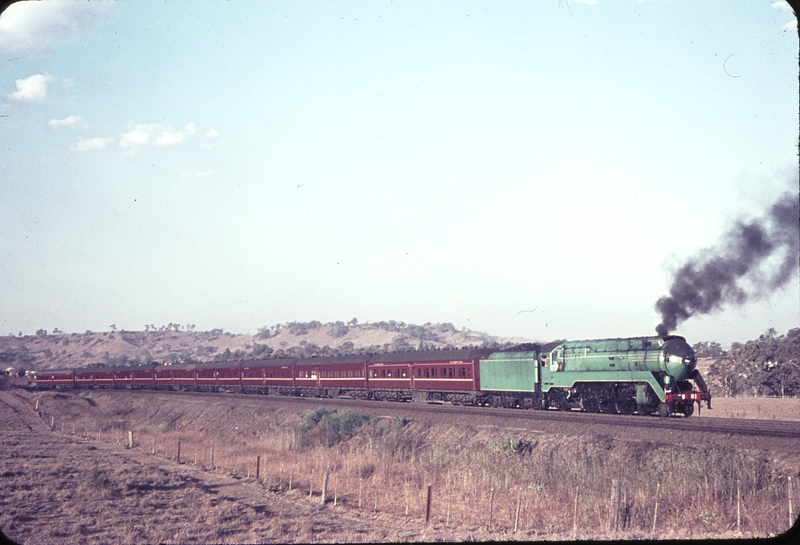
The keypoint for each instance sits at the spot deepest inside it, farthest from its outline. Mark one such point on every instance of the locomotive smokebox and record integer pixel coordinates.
(679, 357)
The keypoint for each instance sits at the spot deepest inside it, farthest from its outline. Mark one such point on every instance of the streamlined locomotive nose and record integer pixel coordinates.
(680, 358)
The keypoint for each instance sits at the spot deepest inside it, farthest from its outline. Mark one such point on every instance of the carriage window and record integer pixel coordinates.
(404, 373)
(450, 373)
(389, 373)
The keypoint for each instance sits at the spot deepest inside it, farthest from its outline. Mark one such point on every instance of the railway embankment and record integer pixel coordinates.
(233, 469)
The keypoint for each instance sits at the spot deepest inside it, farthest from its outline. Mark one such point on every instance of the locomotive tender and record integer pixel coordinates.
(646, 375)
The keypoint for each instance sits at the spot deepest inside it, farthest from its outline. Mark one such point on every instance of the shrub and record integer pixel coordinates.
(511, 445)
(98, 477)
(329, 426)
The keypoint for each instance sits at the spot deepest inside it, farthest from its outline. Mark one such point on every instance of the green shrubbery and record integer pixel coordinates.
(329, 426)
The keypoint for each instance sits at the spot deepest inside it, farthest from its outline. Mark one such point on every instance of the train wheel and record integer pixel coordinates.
(558, 399)
(663, 409)
(607, 407)
(626, 407)
(590, 404)
(688, 410)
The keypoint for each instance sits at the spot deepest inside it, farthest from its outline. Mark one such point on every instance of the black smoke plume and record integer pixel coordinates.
(714, 277)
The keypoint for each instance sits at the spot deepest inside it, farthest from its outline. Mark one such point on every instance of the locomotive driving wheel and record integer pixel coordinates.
(607, 407)
(663, 409)
(688, 410)
(590, 404)
(626, 407)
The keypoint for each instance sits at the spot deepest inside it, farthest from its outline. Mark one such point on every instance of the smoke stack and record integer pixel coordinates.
(752, 260)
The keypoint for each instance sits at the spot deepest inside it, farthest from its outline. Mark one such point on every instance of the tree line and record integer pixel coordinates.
(768, 365)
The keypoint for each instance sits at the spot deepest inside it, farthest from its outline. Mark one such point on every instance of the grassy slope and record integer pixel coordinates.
(479, 474)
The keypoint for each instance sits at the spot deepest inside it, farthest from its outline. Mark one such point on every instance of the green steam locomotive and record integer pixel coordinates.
(646, 375)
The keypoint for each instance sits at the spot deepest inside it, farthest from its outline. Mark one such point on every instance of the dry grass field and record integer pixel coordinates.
(763, 408)
(79, 482)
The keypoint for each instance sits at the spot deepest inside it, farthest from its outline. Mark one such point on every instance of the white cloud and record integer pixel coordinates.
(198, 174)
(782, 5)
(211, 134)
(91, 144)
(69, 121)
(38, 27)
(153, 135)
(31, 89)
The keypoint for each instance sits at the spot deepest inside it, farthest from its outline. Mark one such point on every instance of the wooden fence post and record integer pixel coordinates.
(324, 487)
(614, 504)
(360, 487)
(258, 467)
(491, 509)
(130, 439)
(791, 513)
(428, 508)
(449, 500)
(738, 506)
(179, 452)
(212, 458)
(405, 493)
(375, 490)
(575, 517)
(516, 515)
(655, 513)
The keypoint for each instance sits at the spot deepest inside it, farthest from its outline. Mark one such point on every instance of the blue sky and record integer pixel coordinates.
(239, 164)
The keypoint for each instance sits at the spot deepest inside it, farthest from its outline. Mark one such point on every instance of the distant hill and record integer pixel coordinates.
(177, 344)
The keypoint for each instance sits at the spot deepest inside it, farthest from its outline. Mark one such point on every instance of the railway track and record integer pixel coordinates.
(697, 424)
